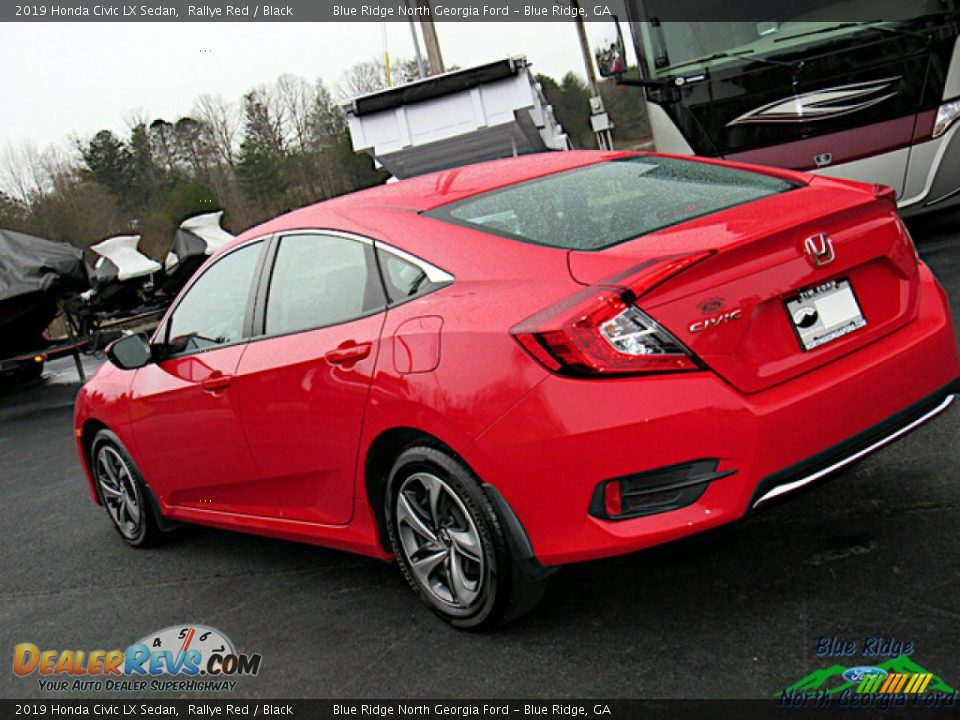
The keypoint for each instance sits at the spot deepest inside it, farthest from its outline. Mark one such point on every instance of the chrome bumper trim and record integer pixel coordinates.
(788, 487)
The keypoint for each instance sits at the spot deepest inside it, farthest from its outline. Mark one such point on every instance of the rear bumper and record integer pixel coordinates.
(549, 453)
(856, 447)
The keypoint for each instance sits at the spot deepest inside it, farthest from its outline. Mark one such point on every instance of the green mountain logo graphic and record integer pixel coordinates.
(830, 680)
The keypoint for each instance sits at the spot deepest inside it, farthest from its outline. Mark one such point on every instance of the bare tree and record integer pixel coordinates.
(295, 96)
(21, 171)
(221, 120)
(134, 117)
(362, 78)
(58, 164)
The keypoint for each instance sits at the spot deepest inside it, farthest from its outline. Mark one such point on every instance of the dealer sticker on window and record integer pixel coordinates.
(825, 313)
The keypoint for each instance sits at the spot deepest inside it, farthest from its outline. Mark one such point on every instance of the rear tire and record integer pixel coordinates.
(122, 491)
(451, 544)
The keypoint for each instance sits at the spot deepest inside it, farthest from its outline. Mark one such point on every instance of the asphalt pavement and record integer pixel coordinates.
(738, 612)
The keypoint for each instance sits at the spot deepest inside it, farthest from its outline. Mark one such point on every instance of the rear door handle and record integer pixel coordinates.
(348, 352)
(217, 381)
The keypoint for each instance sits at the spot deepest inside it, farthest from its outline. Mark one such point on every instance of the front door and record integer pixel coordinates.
(191, 443)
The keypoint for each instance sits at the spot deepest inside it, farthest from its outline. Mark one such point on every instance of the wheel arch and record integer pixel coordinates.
(382, 453)
(88, 431)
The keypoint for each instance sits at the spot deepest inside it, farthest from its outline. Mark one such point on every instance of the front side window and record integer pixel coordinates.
(213, 310)
(320, 280)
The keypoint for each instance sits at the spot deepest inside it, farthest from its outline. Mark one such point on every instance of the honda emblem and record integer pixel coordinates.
(819, 249)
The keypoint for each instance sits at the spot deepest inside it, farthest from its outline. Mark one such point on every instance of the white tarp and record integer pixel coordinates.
(206, 228)
(121, 250)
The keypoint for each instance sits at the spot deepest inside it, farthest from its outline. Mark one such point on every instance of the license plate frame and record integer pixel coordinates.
(825, 313)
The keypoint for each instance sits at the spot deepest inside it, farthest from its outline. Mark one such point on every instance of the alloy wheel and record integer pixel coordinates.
(118, 490)
(440, 542)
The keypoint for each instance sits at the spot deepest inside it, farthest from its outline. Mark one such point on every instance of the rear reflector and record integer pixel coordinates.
(612, 502)
(601, 331)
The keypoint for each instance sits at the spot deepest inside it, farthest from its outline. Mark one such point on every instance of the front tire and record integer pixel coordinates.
(122, 491)
(451, 544)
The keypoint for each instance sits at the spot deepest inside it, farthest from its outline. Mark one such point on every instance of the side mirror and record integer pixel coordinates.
(608, 48)
(130, 352)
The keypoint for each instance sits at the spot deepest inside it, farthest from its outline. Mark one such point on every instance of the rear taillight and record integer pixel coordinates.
(601, 331)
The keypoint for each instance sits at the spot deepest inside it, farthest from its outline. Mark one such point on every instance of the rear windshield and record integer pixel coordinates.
(601, 205)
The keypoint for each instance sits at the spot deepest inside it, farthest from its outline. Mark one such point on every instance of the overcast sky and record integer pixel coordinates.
(65, 79)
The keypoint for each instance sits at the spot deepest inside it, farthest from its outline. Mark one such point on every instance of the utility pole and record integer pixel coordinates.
(585, 49)
(434, 58)
(599, 120)
(386, 54)
(421, 70)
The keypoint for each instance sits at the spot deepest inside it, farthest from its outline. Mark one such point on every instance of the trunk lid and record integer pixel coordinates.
(741, 310)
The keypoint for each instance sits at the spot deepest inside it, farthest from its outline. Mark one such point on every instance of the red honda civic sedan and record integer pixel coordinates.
(494, 370)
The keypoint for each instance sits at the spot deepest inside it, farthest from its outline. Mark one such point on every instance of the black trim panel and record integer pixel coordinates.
(659, 490)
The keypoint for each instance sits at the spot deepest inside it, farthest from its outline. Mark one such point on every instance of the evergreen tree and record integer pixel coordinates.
(261, 160)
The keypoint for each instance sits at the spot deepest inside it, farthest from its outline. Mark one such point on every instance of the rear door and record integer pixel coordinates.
(303, 386)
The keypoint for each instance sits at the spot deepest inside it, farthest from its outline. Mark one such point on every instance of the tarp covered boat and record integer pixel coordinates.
(34, 274)
(197, 238)
(122, 275)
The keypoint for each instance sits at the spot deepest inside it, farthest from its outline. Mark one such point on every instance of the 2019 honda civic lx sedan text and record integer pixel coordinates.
(494, 370)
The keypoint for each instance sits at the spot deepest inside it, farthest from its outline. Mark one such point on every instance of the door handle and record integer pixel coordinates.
(348, 352)
(216, 381)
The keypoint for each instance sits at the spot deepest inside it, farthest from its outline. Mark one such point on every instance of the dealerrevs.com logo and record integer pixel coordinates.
(181, 658)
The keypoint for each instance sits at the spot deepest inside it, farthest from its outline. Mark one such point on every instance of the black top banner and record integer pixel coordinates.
(446, 10)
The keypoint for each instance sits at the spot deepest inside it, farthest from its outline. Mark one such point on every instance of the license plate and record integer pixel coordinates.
(822, 314)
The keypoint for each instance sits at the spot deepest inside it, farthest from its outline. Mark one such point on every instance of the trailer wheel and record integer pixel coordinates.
(32, 370)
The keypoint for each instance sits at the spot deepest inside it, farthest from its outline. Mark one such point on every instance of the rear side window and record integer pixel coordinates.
(214, 309)
(601, 205)
(403, 279)
(320, 280)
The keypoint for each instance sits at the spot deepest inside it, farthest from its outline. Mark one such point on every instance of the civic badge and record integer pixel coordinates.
(819, 249)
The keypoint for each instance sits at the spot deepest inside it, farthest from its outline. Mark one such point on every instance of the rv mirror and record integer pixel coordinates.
(608, 49)
(130, 352)
(767, 28)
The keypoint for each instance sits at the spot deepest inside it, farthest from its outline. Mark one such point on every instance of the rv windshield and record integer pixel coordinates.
(675, 49)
